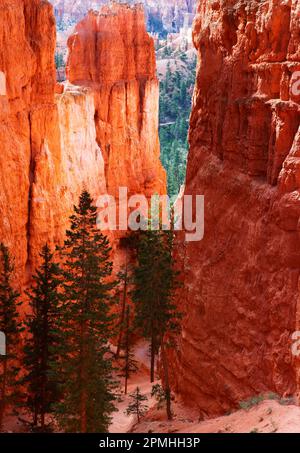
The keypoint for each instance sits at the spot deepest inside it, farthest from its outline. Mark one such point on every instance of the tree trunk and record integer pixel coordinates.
(45, 333)
(3, 393)
(166, 380)
(152, 368)
(122, 313)
(36, 411)
(83, 350)
(43, 421)
(83, 418)
(127, 366)
(83, 383)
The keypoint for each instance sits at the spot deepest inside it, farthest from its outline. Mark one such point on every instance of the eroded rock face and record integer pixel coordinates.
(112, 54)
(50, 148)
(241, 283)
(27, 41)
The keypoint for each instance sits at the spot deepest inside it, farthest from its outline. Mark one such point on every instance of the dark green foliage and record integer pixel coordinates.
(155, 282)
(156, 314)
(85, 367)
(137, 406)
(129, 363)
(11, 326)
(122, 293)
(176, 90)
(42, 348)
(159, 394)
(59, 60)
(155, 25)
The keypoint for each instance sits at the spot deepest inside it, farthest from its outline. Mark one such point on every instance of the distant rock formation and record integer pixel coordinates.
(168, 14)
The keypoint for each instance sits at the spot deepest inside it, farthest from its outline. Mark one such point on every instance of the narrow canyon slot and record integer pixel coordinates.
(149, 218)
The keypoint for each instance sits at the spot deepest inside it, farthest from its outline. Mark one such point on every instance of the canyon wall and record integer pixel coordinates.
(49, 141)
(241, 283)
(111, 53)
(42, 169)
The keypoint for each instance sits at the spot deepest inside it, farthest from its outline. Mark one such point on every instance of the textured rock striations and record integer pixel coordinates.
(49, 147)
(241, 283)
(28, 116)
(112, 54)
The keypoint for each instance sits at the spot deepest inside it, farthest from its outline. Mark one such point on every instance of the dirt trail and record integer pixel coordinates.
(270, 416)
(122, 423)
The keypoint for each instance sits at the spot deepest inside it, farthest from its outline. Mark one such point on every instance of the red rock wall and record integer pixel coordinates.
(49, 147)
(39, 181)
(112, 53)
(27, 41)
(241, 283)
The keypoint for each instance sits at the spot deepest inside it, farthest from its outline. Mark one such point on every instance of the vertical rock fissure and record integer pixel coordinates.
(28, 266)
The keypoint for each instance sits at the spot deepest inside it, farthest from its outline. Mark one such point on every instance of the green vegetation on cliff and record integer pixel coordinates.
(177, 77)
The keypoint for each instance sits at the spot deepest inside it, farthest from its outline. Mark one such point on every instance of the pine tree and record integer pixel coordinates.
(86, 368)
(11, 326)
(42, 347)
(159, 394)
(123, 279)
(137, 406)
(130, 364)
(155, 284)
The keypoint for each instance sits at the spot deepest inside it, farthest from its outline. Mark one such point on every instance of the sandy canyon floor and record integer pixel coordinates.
(268, 416)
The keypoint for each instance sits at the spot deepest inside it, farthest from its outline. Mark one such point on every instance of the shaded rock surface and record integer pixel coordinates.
(241, 283)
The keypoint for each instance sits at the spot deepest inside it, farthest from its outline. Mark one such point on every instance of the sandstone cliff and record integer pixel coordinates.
(48, 149)
(49, 144)
(27, 40)
(241, 283)
(111, 53)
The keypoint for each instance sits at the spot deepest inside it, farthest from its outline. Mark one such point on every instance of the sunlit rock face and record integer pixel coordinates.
(49, 148)
(28, 117)
(111, 53)
(58, 139)
(241, 283)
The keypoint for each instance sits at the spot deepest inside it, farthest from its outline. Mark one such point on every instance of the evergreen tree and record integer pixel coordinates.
(42, 347)
(123, 279)
(159, 394)
(137, 406)
(130, 364)
(11, 326)
(155, 283)
(86, 368)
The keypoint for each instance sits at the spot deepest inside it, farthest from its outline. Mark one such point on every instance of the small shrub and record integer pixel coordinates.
(251, 402)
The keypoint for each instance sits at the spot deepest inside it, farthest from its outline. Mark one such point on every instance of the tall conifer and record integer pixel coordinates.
(42, 348)
(155, 312)
(10, 326)
(86, 368)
